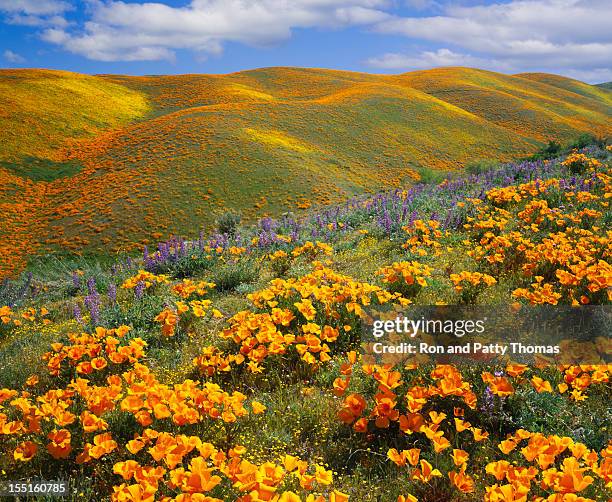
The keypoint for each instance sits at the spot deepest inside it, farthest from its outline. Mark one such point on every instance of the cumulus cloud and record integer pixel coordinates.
(595, 76)
(119, 31)
(571, 36)
(12, 57)
(35, 12)
(34, 7)
(425, 59)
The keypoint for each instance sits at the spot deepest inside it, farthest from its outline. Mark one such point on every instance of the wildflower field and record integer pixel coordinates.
(93, 165)
(231, 367)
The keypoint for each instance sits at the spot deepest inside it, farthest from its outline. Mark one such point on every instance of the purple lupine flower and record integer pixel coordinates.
(76, 311)
(112, 293)
(262, 240)
(488, 401)
(413, 217)
(386, 222)
(266, 224)
(91, 286)
(92, 302)
(76, 280)
(162, 252)
(448, 219)
(139, 290)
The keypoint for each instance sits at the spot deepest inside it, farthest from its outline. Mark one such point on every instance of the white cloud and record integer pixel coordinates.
(595, 76)
(12, 57)
(35, 7)
(567, 36)
(426, 59)
(35, 12)
(120, 31)
(570, 37)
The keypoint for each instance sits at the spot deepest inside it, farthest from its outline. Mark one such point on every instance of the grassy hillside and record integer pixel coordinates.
(116, 162)
(532, 106)
(40, 109)
(239, 367)
(575, 86)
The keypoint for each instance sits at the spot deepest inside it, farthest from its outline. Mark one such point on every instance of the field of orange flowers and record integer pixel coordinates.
(92, 165)
(235, 369)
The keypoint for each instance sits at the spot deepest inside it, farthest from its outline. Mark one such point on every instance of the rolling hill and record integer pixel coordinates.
(114, 162)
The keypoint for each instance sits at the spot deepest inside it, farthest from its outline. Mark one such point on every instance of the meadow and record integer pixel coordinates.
(230, 366)
(99, 165)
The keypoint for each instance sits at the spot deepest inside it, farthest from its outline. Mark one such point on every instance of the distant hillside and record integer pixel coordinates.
(40, 109)
(115, 162)
(605, 85)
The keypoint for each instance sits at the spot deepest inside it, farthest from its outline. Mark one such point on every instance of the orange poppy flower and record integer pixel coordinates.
(25, 451)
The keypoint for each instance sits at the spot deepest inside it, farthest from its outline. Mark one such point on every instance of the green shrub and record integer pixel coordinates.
(552, 149)
(481, 166)
(281, 266)
(228, 222)
(585, 140)
(190, 265)
(228, 277)
(429, 176)
(140, 314)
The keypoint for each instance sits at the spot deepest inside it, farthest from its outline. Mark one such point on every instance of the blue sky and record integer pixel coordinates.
(568, 37)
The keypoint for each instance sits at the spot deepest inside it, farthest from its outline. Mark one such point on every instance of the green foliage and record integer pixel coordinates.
(585, 140)
(555, 149)
(187, 266)
(13, 293)
(228, 222)
(552, 413)
(281, 266)
(231, 275)
(429, 176)
(552, 149)
(140, 314)
(37, 169)
(481, 166)
(57, 269)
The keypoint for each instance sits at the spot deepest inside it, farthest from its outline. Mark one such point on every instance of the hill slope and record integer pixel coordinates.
(115, 161)
(534, 106)
(39, 109)
(215, 371)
